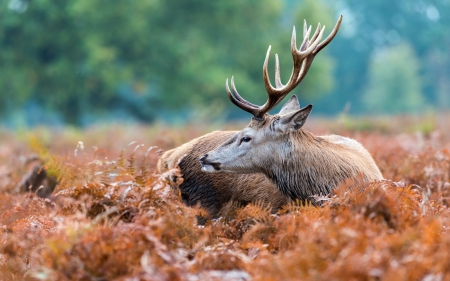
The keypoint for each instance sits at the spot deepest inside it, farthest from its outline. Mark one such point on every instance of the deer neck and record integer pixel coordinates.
(305, 167)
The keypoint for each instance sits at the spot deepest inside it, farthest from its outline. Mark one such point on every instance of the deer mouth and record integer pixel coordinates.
(208, 166)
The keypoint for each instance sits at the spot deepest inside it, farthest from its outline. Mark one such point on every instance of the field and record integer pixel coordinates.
(112, 218)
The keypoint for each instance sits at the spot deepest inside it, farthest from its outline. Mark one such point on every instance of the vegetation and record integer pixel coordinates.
(395, 82)
(82, 61)
(86, 204)
(112, 218)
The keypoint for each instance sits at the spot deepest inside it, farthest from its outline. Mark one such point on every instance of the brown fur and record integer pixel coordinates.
(293, 173)
(300, 164)
(214, 191)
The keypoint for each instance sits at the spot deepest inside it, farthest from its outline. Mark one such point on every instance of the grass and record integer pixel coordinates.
(112, 218)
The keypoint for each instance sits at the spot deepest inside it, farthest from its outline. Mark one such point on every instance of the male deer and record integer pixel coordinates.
(214, 190)
(299, 163)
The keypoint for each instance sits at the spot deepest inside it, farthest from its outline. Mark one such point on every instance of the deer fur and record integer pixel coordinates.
(214, 191)
(300, 164)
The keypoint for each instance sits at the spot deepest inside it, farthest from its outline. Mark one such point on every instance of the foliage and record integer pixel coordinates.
(371, 26)
(395, 84)
(84, 58)
(112, 218)
(83, 61)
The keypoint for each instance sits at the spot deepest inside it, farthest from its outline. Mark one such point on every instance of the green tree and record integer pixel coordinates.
(371, 25)
(53, 55)
(394, 81)
(84, 57)
(206, 42)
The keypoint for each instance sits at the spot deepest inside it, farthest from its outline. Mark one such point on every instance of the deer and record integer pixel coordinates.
(301, 165)
(213, 191)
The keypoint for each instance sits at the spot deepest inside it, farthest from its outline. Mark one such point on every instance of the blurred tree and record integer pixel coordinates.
(370, 26)
(394, 81)
(51, 56)
(82, 57)
(151, 58)
(206, 42)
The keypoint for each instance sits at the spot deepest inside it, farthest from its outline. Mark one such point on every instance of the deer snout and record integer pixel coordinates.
(208, 166)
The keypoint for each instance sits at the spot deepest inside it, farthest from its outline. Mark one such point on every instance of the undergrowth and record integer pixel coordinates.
(112, 218)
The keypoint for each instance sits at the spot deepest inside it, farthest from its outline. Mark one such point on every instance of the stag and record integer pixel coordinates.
(300, 164)
(213, 191)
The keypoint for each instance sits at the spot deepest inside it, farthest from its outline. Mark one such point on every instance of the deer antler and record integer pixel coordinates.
(302, 58)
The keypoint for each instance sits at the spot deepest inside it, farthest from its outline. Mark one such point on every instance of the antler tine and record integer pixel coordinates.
(307, 64)
(295, 52)
(309, 59)
(278, 83)
(302, 59)
(238, 100)
(299, 57)
(316, 33)
(236, 94)
(314, 44)
(305, 42)
(266, 71)
(305, 27)
(275, 95)
(330, 37)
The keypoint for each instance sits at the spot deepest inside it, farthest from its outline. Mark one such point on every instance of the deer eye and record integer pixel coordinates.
(246, 139)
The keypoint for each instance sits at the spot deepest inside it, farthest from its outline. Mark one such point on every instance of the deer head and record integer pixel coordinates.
(265, 137)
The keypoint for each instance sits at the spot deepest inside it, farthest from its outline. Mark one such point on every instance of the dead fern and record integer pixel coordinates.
(113, 218)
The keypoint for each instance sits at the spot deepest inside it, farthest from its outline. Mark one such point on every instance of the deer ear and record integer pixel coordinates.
(291, 105)
(294, 120)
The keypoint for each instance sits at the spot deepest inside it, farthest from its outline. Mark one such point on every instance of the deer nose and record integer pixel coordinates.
(202, 159)
(205, 163)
